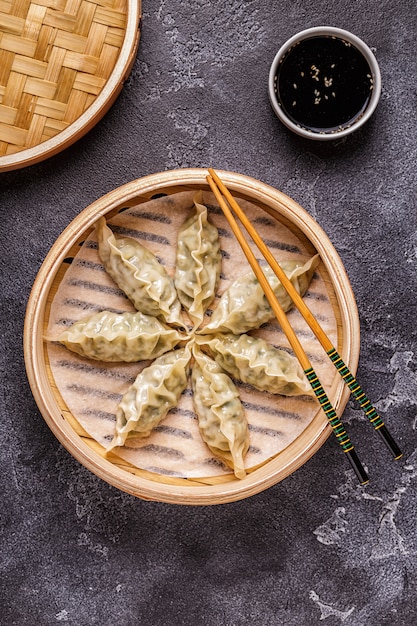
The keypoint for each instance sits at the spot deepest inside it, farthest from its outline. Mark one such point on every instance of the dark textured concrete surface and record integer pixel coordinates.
(315, 548)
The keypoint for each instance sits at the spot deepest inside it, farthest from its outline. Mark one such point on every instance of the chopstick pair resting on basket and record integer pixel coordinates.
(221, 193)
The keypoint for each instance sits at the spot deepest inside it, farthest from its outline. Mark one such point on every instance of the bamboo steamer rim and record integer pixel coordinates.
(99, 106)
(273, 471)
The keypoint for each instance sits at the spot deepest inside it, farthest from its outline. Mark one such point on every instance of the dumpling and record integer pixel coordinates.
(137, 271)
(198, 262)
(127, 337)
(155, 391)
(258, 363)
(244, 306)
(221, 417)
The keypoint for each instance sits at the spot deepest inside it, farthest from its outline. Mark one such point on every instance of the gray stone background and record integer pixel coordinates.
(315, 548)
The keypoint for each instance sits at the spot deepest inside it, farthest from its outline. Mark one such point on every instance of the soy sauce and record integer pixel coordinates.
(324, 84)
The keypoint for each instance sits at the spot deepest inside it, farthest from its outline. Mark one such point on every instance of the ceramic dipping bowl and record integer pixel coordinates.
(324, 83)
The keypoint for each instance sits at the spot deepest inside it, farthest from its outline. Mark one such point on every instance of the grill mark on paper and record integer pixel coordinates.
(261, 408)
(103, 415)
(270, 432)
(140, 234)
(89, 306)
(92, 286)
(175, 432)
(153, 217)
(89, 265)
(95, 391)
(90, 369)
(159, 450)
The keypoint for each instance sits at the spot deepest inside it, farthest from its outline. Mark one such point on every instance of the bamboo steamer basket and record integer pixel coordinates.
(119, 473)
(62, 65)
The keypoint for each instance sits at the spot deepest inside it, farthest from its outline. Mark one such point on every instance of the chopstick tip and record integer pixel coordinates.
(357, 467)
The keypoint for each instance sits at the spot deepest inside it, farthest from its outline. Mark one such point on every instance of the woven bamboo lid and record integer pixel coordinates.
(335, 296)
(62, 65)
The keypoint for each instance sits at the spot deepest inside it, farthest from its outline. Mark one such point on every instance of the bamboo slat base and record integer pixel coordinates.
(113, 469)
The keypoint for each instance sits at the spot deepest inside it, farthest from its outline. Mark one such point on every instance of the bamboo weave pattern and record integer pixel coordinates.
(55, 58)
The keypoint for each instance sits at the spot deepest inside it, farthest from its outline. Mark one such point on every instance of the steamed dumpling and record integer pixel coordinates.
(137, 271)
(221, 418)
(244, 306)
(258, 363)
(127, 337)
(198, 262)
(155, 391)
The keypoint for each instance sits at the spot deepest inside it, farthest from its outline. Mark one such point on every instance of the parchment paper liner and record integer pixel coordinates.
(92, 389)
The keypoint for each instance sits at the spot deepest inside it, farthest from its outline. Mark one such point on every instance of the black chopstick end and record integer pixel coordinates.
(357, 466)
(390, 443)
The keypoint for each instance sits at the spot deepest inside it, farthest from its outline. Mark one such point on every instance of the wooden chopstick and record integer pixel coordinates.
(336, 424)
(357, 391)
(355, 388)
